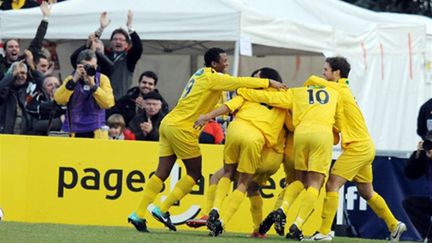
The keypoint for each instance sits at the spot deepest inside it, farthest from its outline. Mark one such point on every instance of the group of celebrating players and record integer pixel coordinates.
(273, 124)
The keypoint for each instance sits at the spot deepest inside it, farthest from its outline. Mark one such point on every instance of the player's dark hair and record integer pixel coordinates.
(341, 64)
(270, 73)
(212, 55)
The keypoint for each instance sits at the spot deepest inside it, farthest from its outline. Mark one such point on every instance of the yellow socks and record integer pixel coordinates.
(223, 187)
(210, 197)
(308, 203)
(256, 205)
(151, 189)
(291, 193)
(182, 188)
(379, 206)
(279, 199)
(329, 211)
(234, 201)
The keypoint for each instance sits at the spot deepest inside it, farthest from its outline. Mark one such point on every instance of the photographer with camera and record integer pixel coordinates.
(87, 93)
(419, 208)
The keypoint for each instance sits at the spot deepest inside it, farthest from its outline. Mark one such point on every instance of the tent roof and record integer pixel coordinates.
(153, 20)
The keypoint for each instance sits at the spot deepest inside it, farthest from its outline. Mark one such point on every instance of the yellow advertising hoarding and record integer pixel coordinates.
(100, 182)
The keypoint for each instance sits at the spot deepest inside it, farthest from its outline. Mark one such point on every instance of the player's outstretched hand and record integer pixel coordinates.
(201, 122)
(277, 85)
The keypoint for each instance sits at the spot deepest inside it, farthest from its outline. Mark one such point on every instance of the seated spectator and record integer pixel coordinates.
(419, 208)
(117, 128)
(105, 65)
(212, 133)
(45, 114)
(12, 47)
(87, 93)
(133, 103)
(13, 116)
(146, 124)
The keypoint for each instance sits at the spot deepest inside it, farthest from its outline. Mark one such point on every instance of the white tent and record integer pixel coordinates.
(388, 52)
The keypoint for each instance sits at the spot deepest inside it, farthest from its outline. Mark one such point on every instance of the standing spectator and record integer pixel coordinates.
(419, 208)
(117, 128)
(45, 114)
(13, 116)
(12, 48)
(105, 65)
(87, 93)
(424, 120)
(133, 103)
(43, 65)
(124, 56)
(146, 124)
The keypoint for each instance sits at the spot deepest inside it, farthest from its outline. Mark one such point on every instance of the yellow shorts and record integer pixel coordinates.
(313, 150)
(271, 161)
(174, 140)
(355, 162)
(288, 161)
(243, 146)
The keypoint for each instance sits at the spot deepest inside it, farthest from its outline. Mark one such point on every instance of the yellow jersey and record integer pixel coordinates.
(201, 94)
(315, 105)
(269, 120)
(354, 127)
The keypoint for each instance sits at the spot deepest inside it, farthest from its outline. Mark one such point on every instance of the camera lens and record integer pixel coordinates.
(90, 70)
(427, 145)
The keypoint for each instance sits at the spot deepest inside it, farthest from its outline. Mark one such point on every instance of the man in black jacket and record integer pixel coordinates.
(13, 116)
(419, 208)
(12, 47)
(124, 56)
(424, 119)
(145, 125)
(132, 103)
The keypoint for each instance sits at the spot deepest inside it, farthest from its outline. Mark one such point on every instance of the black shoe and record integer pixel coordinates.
(279, 221)
(215, 228)
(164, 218)
(138, 223)
(214, 224)
(267, 223)
(295, 233)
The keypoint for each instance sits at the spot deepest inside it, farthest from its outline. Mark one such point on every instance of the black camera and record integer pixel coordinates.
(427, 144)
(90, 70)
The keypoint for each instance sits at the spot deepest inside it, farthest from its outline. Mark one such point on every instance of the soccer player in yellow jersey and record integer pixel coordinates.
(255, 126)
(355, 162)
(315, 110)
(178, 138)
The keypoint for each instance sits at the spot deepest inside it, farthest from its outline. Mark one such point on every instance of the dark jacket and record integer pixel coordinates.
(124, 66)
(44, 112)
(417, 167)
(10, 94)
(35, 47)
(134, 126)
(105, 65)
(126, 106)
(424, 119)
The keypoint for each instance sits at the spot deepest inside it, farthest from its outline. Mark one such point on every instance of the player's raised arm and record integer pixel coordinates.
(280, 99)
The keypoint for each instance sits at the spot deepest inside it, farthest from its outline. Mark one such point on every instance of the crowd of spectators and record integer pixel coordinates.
(95, 101)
